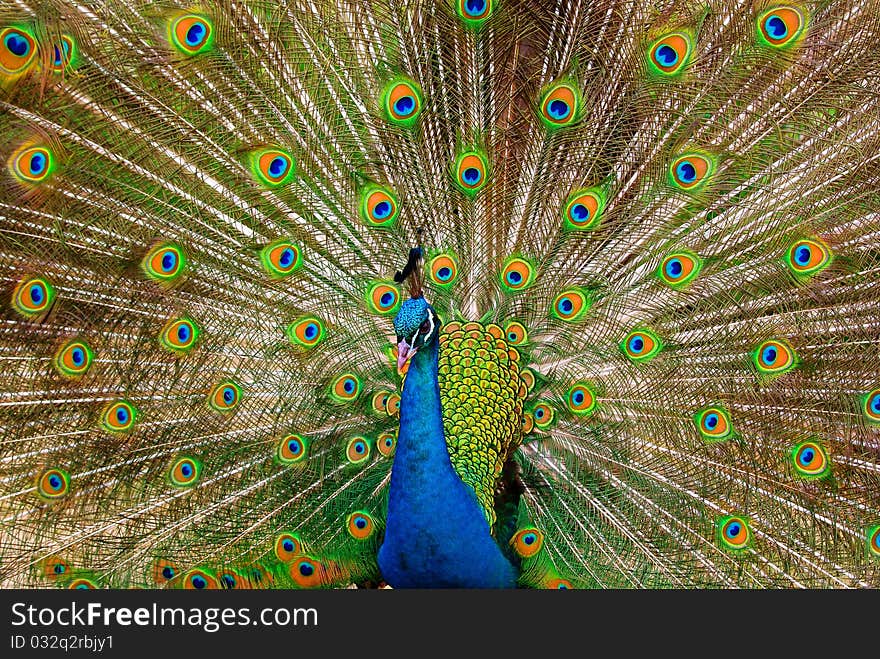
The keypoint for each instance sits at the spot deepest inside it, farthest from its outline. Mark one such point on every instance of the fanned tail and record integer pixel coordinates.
(669, 210)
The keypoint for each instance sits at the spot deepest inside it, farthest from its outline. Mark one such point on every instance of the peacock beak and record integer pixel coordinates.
(404, 354)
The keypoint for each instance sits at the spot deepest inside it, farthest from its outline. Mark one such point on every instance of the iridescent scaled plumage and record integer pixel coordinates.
(482, 396)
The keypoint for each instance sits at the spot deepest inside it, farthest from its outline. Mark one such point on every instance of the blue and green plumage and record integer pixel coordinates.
(649, 236)
(437, 533)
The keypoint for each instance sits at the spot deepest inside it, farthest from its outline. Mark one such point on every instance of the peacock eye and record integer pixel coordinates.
(424, 327)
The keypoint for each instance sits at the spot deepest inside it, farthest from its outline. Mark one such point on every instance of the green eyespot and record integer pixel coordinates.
(165, 262)
(378, 207)
(73, 358)
(225, 396)
(781, 27)
(641, 345)
(570, 305)
(53, 484)
(810, 460)
(734, 533)
(184, 472)
(669, 55)
(691, 171)
(191, 34)
(402, 101)
(679, 268)
(471, 171)
(281, 258)
(517, 274)
(583, 209)
(383, 298)
(713, 423)
(179, 336)
(272, 167)
(474, 13)
(560, 105)
(807, 257)
(119, 416)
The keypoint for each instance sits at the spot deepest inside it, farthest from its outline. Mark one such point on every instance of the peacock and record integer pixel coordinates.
(439, 294)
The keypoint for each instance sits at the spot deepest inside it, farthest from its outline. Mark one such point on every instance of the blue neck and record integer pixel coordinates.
(422, 459)
(436, 534)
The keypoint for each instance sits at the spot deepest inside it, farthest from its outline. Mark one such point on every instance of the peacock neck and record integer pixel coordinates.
(421, 444)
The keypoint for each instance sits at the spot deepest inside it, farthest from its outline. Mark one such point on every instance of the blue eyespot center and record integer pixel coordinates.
(558, 109)
(37, 164)
(472, 175)
(228, 395)
(17, 45)
(195, 34)
(186, 469)
(802, 255)
(306, 569)
(666, 55)
(228, 581)
(360, 522)
(875, 403)
(348, 386)
(55, 482)
(687, 173)
(288, 545)
(807, 456)
(168, 572)
(566, 305)
(769, 355)
(277, 167)
(674, 268)
(286, 258)
(169, 260)
(387, 299)
(382, 210)
(776, 27)
(404, 106)
(199, 582)
(58, 569)
(78, 356)
(293, 446)
(183, 333)
(529, 538)
(711, 421)
(636, 344)
(121, 415)
(514, 277)
(311, 331)
(578, 397)
(359, 447)
(444, 273)
(580, 213)
(475, 7)
(733, 530)
(37, 294)
(65, 49)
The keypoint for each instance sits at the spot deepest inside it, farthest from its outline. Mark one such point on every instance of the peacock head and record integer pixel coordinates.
(416, 325)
